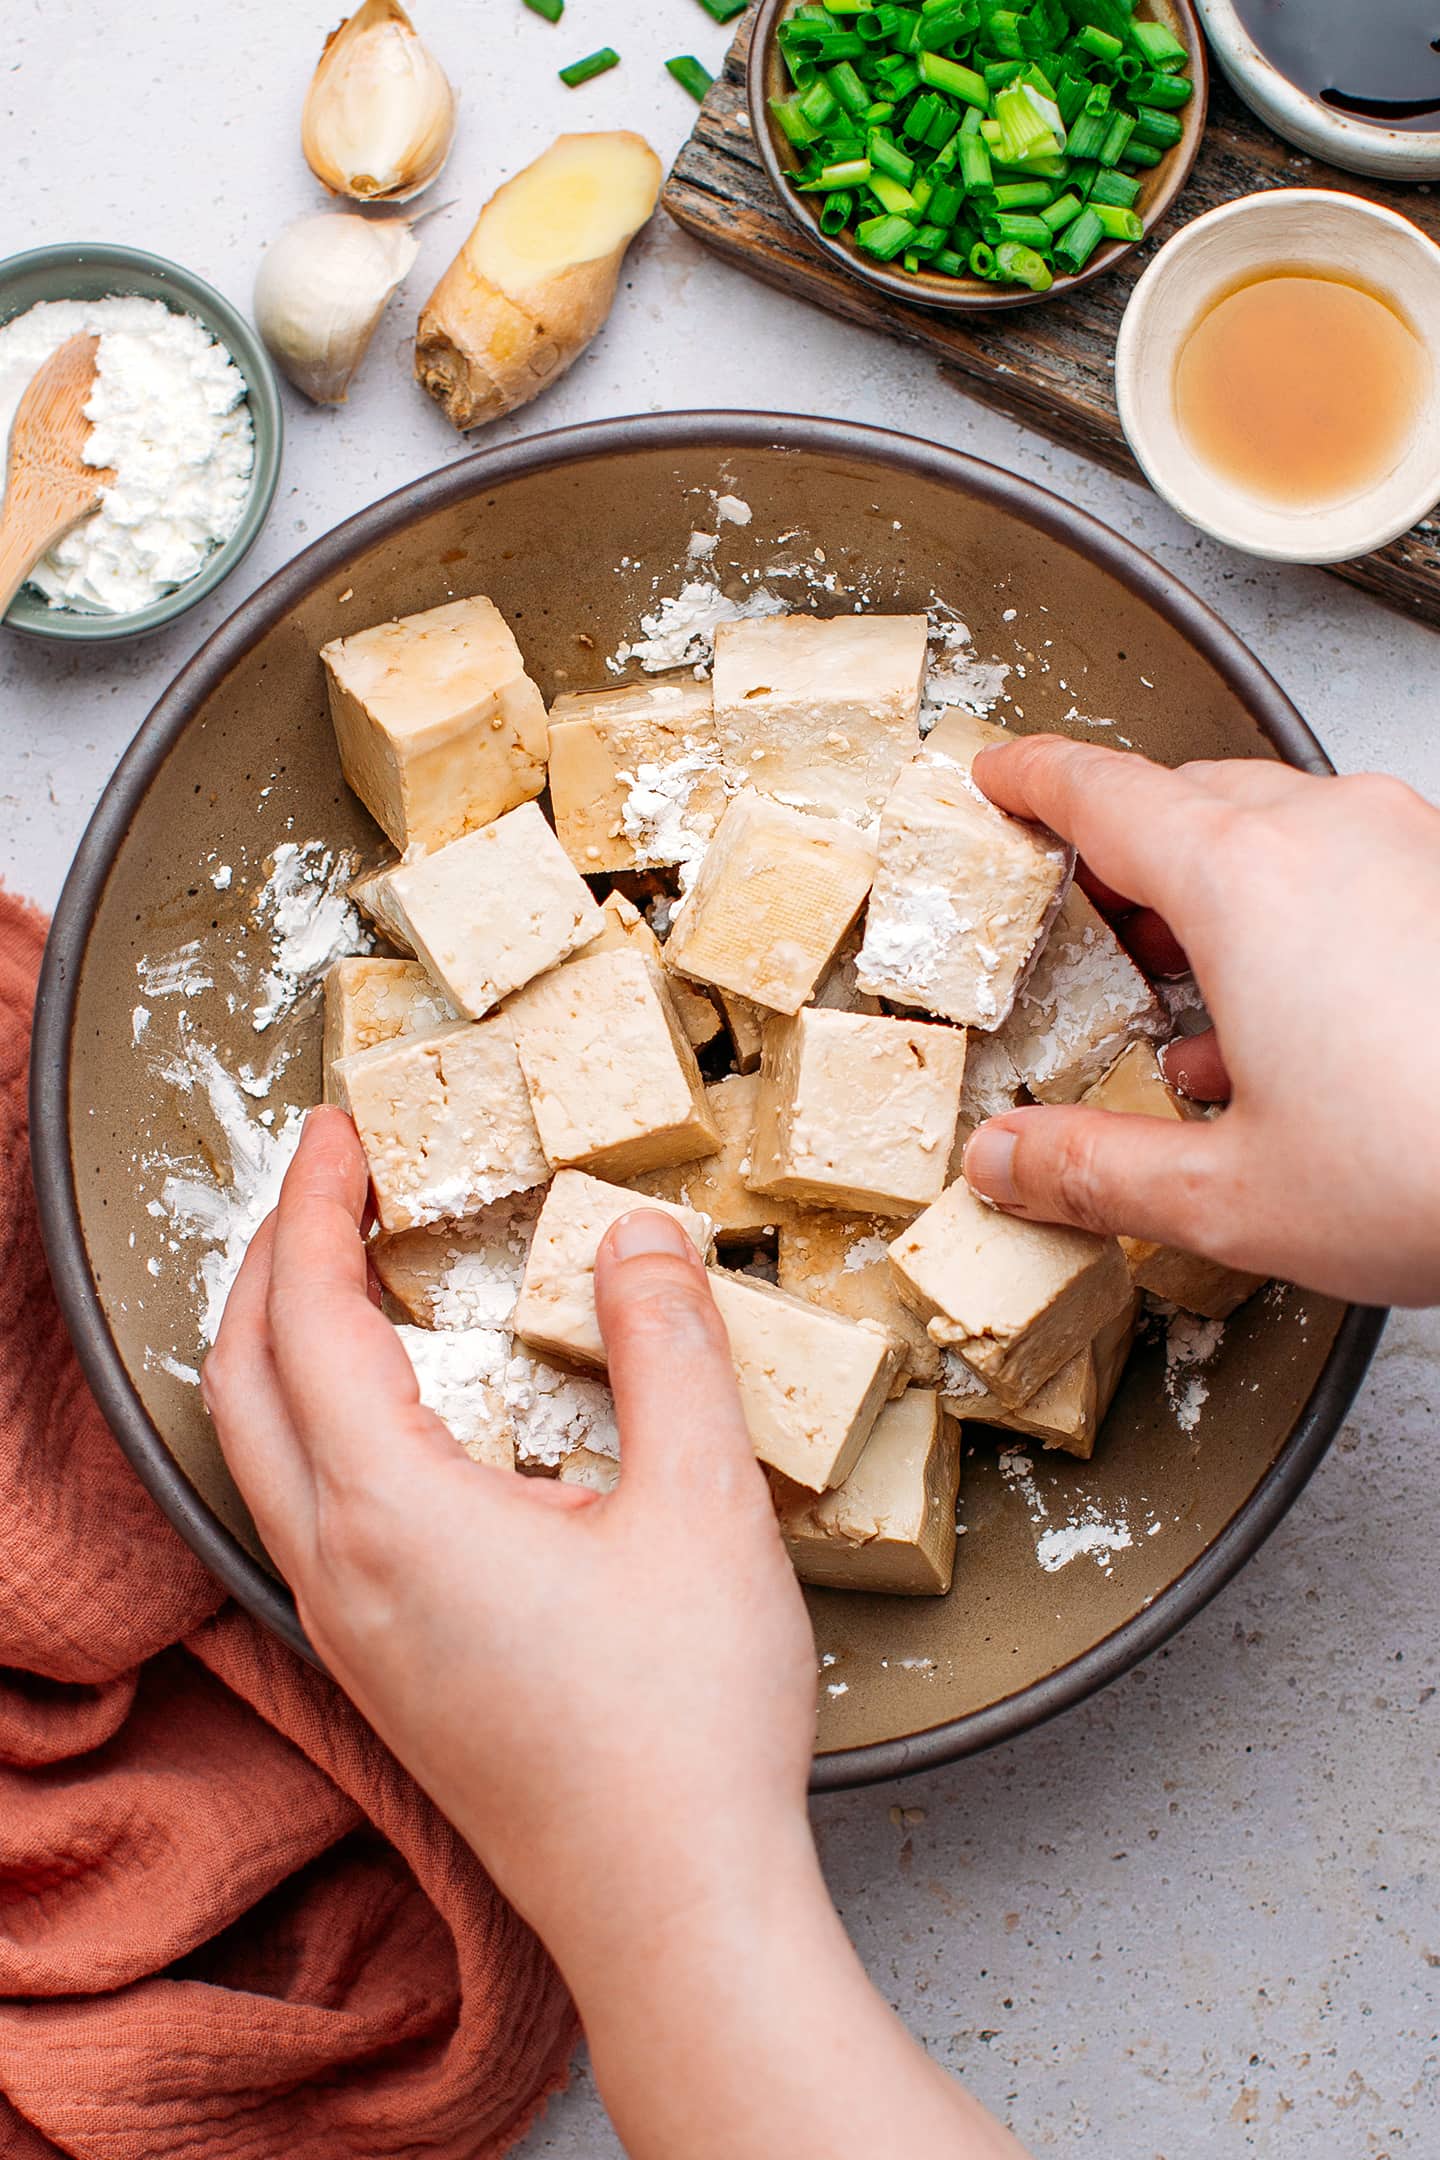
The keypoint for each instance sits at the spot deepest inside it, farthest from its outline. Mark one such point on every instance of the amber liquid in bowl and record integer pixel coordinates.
(1301, 390)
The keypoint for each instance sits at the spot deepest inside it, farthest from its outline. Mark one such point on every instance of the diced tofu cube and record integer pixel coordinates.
(1084, 1000)
(772, 902)
(716, 1185)
(1015, 1298)
(370, 1001)
(891, 1525)
(635, 775)
(555, 1311)
(440, 728)
(595, 1473)
(460, 1275)
(811, 1384)
(494, 909)
(445, 1122)
(857, 1112)
(745, 1021)
(963, 897)
(843, 1263)
(1135, 1086)
(625, 926)
(612, 1077)
(958, 735)
(370, 894)
(461, 1375)
(820, 714)
(1068, 1411)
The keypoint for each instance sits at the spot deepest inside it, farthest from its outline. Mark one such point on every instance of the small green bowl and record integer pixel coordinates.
(94, 272)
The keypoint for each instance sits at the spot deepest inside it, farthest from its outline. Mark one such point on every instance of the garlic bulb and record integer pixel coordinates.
(320, 291)
(379, 115)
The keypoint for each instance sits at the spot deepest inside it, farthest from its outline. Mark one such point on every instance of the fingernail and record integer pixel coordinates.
(648, 1231)
(989, 1164)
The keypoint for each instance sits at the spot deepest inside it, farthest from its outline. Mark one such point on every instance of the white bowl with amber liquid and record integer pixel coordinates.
(1278, 374)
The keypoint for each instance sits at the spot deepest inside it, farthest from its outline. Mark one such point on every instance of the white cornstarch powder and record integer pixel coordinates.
(306, 910)
(681, 631)
(654, 813)
(169, 417)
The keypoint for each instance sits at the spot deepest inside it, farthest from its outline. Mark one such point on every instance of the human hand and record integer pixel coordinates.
(613, 1699)
(1309, 910)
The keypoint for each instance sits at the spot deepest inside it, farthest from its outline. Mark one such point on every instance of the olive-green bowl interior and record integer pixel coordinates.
(572, 535)
(96, 271)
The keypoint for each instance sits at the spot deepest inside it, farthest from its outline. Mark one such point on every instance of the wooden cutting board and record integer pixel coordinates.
(1049, 365)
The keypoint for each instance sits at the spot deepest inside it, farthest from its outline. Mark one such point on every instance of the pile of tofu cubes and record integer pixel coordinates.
(766, 963)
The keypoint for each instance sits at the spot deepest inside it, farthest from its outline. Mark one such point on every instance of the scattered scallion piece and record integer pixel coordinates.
(690, 75)
(552, 10)
(595, 63)
(999, 139)
(723, 11)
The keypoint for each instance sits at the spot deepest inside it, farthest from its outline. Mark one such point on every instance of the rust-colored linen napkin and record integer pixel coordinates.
(231, 1926)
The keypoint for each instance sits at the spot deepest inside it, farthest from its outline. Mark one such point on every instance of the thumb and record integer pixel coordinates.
(1097, 1170)
(676, 1401)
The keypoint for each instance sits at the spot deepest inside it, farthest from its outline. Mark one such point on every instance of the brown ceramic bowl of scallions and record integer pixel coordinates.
(968, 155)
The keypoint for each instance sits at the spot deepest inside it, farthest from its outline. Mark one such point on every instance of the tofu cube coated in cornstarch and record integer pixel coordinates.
(963, 898)
(774, 897)
(856, 1111)
(635, 775)
(612, 1077)
(555, 1311)
(493, 909)
(438, 725)
(445, 1122)
(820, 713)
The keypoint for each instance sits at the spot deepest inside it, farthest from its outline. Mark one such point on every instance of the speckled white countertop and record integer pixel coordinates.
(1201, 1913)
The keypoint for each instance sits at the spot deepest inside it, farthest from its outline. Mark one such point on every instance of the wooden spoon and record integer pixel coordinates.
(49, 489)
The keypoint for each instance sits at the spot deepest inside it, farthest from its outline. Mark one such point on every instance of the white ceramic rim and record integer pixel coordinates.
(1359, 145)
(1388, 513)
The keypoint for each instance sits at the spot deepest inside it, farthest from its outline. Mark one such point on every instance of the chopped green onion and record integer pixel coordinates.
(1121, 128)
(982, 138)
(887, 157)
(884, 237)
(1024, 194)
(1160, 128)
(958, 81)
(1099, 42)
(848, 173)
(1018, 265)
(1158, 45)
(690, 75)
(1057, 215)
(723, 11)
(595, 63)
(552, 10)
(1079, 240)
(890, 194)
(1113, 187)
(1117, 224)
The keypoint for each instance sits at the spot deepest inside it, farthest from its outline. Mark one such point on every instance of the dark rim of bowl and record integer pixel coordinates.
(104, 1368)
(964, 296)
(246, 348)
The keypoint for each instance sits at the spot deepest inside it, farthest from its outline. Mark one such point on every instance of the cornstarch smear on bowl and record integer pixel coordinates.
(169, 417)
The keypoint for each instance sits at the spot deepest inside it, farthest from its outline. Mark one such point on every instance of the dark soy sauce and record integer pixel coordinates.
(1375, 60)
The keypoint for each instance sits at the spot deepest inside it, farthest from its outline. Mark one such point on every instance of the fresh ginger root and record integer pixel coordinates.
(536, 278)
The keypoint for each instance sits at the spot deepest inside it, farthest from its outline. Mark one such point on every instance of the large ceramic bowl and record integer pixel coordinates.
(767, 78)
(572, 534)
(95, 270)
